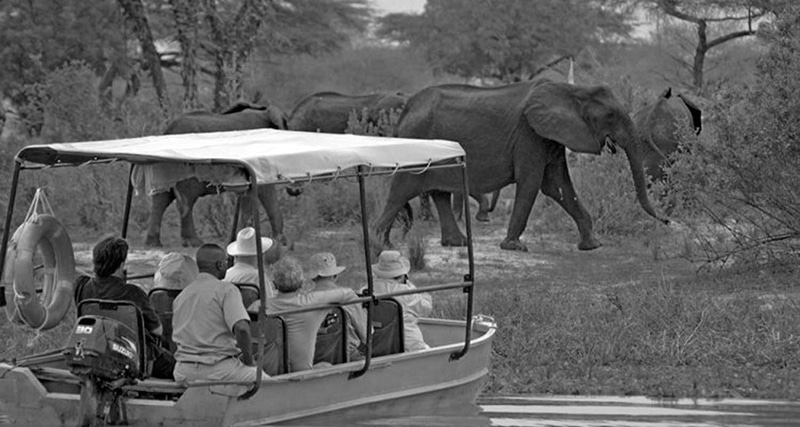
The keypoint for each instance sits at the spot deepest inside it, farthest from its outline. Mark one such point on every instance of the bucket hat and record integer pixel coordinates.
(323, 264)
(390, 265)
(245, 243)
(175, 270)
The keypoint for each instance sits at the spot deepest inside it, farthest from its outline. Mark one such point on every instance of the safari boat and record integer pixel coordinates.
(84, 385)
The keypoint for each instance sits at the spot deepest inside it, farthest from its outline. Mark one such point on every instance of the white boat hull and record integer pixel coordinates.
(418, 383)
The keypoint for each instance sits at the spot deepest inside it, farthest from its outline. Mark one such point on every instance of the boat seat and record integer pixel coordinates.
(126, 313)
(250, 293)
(387, 322)
(331, 344)
(276, 353)
(161, 299)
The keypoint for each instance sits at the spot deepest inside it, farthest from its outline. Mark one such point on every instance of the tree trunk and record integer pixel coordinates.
(233, 43)
(186, 21)
(700, 55)
(134, 12)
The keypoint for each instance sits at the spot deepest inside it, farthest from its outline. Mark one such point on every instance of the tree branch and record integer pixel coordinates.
(728, 37)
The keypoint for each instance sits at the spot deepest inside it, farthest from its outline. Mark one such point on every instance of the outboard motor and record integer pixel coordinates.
(103, 349)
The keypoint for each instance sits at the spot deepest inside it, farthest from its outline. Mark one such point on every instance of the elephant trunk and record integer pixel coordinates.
(636, 161)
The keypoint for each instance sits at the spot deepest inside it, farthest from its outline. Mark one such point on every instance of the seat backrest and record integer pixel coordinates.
(331, 344)
(161, 299)
(250, 293)
(387, 321)
(126, 313)
(276, 353)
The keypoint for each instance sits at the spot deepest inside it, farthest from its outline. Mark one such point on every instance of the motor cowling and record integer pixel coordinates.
(103, 348)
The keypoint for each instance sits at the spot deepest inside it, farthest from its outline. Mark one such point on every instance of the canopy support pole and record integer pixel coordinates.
(370, 283)
(12, 197)
(262, 309)
(128, 199)
(470, 277)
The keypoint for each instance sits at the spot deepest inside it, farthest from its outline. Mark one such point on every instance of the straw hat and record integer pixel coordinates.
(245, 243)
(323, 264)
(175, 270)
(390, 265)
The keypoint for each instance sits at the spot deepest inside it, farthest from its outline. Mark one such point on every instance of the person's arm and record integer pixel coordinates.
(238, 320)
(241, 330)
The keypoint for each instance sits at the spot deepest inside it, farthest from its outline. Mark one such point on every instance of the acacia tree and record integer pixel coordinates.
(715, 23)
(507, 40)
(135, 14)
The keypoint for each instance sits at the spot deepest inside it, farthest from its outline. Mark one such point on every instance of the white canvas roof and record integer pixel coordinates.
(274, 155)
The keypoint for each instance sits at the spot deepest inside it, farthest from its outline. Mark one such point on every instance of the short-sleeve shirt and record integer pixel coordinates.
(245, 273)
(203, 315)
(115, 289)
(301, 328)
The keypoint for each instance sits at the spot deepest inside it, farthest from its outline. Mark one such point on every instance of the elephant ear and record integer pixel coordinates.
(552, 111)
(697, 114)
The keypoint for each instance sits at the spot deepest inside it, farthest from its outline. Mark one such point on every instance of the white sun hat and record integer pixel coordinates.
(323, 264)
(390, 265)
(245, 243)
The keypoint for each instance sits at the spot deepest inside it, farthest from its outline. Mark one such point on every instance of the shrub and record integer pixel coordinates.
(745, 181)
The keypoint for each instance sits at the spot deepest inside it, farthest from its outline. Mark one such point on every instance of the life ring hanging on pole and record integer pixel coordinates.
(43, 232)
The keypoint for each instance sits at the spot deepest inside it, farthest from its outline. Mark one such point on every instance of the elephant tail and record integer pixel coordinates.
(406, 218)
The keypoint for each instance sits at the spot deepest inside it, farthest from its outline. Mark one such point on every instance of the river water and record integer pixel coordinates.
(572, 411)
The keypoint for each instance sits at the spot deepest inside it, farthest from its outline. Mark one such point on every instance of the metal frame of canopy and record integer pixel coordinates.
(322, 148)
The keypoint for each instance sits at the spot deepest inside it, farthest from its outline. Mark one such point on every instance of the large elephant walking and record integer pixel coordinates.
(241, 116)
(515, 134)
(660, 123)
(330, 111)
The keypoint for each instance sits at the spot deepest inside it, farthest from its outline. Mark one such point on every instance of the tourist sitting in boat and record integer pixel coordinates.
(301, 328)
(175, 271)
(391, 273)
(108, 258)
(323, 272)
(211, 327)
(245, 260)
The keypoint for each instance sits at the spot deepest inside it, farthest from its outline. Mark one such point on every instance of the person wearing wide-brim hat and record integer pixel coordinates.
(175, 270)
(245, 259)
(323, 271)
(392, 271)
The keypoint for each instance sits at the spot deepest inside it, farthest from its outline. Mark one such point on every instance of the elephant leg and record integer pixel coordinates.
(158, 205)
(483, 208)
(495, 199)
(269, 200)
(527, 189)
(558, 186)
(451, 235)
(187, 192)
(401, 190)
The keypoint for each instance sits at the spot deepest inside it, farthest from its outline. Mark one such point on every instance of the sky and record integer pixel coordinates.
(398, 6)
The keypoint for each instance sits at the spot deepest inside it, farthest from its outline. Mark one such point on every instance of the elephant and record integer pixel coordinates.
(515, 134)
(240, 116)
(329, 111)
(659, 122)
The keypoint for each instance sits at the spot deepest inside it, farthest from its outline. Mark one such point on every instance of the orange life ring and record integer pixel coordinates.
(47, 234)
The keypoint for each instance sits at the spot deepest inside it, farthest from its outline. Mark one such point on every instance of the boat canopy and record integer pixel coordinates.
(273, 155)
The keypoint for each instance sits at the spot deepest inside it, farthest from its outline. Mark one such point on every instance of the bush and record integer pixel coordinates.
(745, 181)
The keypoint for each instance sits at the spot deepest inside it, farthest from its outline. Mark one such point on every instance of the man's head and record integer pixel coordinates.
(287, 274)
(109, 256)
(212, 259)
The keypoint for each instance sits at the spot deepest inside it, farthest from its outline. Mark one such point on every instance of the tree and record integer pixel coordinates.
(135, 14)
(746, 179)
(504, 39)
(715, 22)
